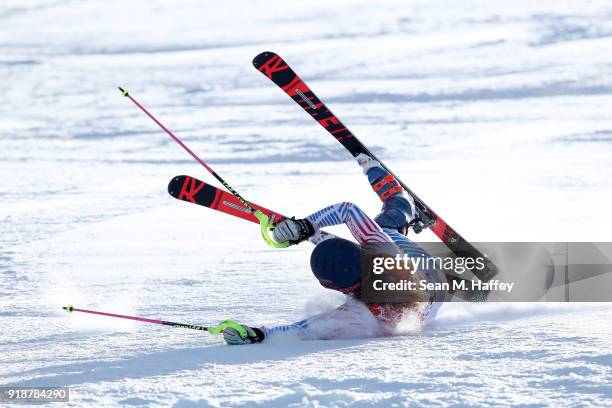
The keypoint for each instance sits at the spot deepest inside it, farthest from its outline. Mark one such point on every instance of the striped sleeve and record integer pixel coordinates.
(363, 228)
(300, 328)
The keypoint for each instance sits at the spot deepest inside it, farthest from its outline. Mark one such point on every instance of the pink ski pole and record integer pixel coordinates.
(264, 222)
(212, 330)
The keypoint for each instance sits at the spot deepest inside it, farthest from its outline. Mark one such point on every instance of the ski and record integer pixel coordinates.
(190, 189)
(277, 70)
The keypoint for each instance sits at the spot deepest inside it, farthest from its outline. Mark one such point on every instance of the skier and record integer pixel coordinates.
(335, 262)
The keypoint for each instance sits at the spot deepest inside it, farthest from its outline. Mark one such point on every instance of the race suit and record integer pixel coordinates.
(365, 230)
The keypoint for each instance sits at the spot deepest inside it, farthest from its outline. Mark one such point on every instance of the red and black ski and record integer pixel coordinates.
(277, 70)
(195, 191)
(190, 189)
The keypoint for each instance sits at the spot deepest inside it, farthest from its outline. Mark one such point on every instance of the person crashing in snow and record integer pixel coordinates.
(335, 262)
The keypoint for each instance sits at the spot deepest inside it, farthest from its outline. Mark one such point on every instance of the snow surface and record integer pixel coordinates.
(498, 113)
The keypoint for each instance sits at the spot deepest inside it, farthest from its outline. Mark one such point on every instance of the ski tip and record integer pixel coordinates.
(262, 57)
(68, 308)
(123, 91)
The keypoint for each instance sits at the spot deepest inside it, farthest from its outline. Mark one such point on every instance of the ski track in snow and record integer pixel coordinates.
(493, 112)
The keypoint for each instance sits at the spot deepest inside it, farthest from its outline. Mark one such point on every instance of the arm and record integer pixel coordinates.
(250, 335)
(301, 329)
(363, 228)
(350, 320)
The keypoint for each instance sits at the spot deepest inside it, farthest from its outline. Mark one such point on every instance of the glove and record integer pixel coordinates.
(233, 338)
(366, 162)
(294, 231)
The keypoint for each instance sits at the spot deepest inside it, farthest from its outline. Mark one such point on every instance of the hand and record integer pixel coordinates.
(366, 162)
(294, 231)
(249, 335)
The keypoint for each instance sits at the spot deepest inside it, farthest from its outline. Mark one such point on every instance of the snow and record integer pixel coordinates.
(496, 113)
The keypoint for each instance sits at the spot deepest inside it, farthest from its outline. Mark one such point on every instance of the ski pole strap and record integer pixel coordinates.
(232, 324)
(265, 227)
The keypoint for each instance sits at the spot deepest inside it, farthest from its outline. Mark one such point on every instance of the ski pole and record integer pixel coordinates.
(264, 222)
(214, 330)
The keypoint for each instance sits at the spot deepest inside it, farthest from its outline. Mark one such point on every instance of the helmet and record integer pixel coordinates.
(335, 262)
(396, 213)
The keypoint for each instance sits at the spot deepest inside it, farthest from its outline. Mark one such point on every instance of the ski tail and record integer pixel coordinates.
(190, 189)
(279, 72)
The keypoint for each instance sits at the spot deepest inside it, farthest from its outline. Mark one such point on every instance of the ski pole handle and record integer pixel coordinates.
(218, 329)
(265, 225)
